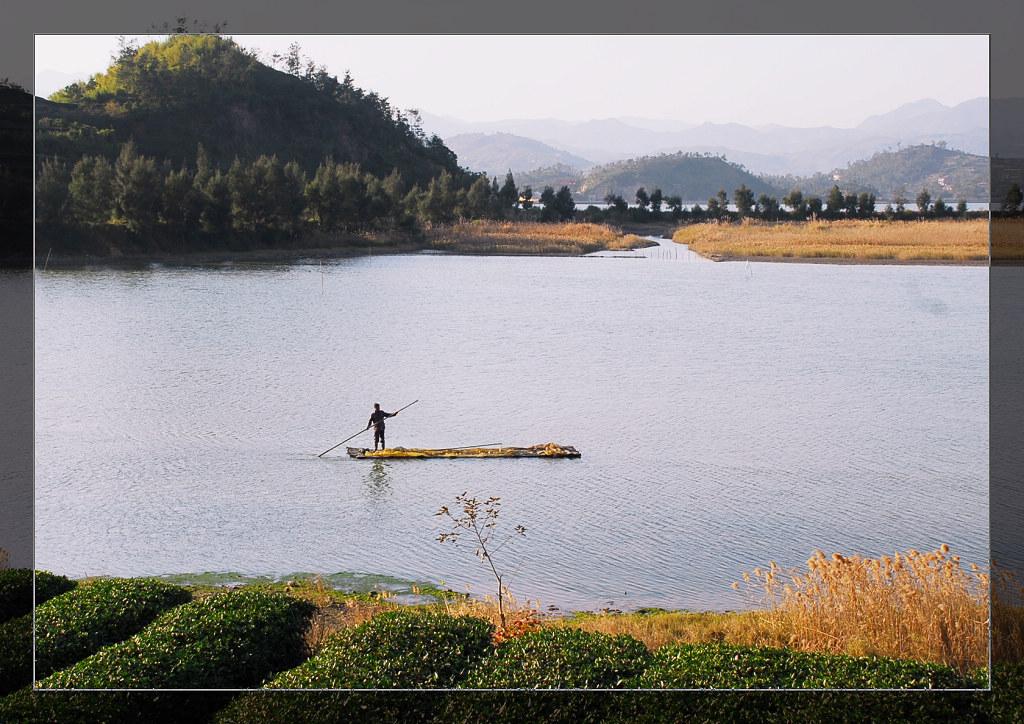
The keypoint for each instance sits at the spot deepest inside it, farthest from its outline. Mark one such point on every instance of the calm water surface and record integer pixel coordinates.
(728, 415)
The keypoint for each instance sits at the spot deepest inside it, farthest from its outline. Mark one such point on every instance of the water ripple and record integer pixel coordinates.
(726, 420)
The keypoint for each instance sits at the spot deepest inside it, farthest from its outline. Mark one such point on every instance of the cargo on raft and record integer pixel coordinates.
(550, 450)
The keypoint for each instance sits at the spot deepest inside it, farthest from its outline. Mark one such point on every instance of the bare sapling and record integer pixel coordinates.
(478, 518)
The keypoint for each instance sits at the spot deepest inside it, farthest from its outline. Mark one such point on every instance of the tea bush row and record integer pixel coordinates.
(79, 622)
(15, 654)
(90, 707)
(403, 649)
(566, 658)
(1001, 705)
(561, 658)
(16, 585)
(397, 649)
(408, 656)
(722, 666)
(400, 649)
(231, 640)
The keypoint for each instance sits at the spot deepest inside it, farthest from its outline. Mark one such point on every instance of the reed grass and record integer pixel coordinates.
(921, 606)
(660, 628)
(336, 612)
(1007, 617)
(519, 618)
(1008, 239)
(844, 239)
(530, 238)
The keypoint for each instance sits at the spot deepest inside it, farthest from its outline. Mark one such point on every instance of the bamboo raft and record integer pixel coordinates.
(550, 450)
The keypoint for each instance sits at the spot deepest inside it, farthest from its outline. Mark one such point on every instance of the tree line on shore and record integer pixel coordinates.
(793, 206)
(278, 202)
(272, 197)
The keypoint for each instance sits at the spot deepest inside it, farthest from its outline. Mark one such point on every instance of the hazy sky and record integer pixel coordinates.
(799, 80)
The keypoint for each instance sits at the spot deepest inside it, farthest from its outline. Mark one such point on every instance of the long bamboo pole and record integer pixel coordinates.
(364, 430)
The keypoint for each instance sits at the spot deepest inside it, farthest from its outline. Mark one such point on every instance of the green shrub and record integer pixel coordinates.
(516, 707)
(396, 649)
(1007, 695)
(15, 654)
(722, 666)
(1003, 704)
(16, 590)
(270, 706)
(231, 640)
(787, 707)
(90, 707)
(561, 658)
(78, 623)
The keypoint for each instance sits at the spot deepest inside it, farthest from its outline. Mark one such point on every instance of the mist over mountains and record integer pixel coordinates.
(522, 145)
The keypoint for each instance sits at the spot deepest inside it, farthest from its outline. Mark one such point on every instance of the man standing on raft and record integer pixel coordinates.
(377, 421)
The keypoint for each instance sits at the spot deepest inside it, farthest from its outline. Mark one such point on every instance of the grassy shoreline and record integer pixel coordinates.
(939, 242)
(845, 241)
(333, 612)
(303, 635)
(471, 238)
(530, 238)
(926, 607)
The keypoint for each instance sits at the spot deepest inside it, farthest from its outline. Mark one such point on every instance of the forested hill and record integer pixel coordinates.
(944, 173)
(692, 177)
(15, 175)
(173, 95)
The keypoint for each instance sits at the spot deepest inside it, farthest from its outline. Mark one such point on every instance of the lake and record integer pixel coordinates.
(728, 415)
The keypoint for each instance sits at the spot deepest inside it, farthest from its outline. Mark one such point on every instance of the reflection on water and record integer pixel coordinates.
(727, 415)
(377, 487)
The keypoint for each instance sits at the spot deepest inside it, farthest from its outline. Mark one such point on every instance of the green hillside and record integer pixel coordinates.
(692, 177)
(947, 174)
(15, 175)
(555, 176)
(170, 96)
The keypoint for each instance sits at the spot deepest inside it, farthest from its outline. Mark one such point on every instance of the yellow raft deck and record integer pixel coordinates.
(550, 450)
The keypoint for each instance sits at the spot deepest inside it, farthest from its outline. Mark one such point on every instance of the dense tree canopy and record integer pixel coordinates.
(169, 96)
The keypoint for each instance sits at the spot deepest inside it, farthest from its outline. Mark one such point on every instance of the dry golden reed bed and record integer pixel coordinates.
(920, 606)
(507, 237)
(1008, 239)
(957, 241)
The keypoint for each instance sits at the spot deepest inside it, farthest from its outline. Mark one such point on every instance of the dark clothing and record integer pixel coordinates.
(377, 420)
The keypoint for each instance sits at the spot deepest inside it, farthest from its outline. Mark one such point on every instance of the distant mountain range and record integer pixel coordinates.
(499, 153)
(947, 174)
(519, 144)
